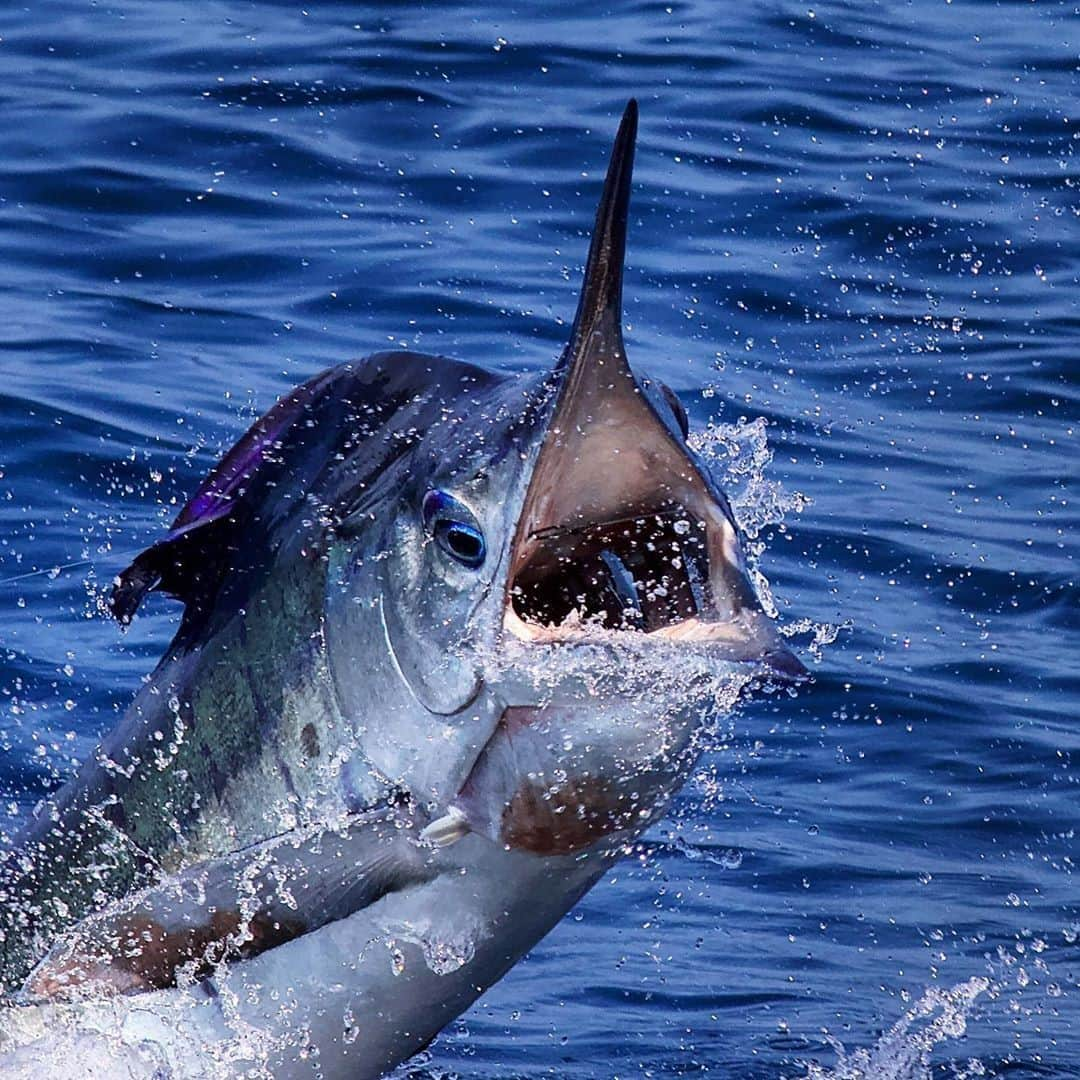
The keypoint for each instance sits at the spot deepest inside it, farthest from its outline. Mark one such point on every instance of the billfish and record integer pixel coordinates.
(448, 635)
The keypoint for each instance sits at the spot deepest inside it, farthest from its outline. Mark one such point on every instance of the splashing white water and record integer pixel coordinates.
(738, 455)
(904, 1051)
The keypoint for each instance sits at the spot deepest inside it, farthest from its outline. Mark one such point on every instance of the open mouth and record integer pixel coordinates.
(643, 573)
(620, 531)
(649, 572)
(671, 571)
(669, 574)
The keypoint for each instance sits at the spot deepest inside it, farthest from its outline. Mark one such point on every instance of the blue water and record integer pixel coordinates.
(860, 221)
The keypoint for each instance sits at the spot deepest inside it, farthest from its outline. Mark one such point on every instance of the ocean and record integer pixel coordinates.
(854, 253)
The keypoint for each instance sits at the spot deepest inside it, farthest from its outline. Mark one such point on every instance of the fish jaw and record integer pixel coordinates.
(562, 780)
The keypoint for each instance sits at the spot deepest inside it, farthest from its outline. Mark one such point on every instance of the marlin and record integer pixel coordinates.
(448, 636)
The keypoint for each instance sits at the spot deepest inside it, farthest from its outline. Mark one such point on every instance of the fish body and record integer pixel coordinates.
(352, 999)
(448, 636)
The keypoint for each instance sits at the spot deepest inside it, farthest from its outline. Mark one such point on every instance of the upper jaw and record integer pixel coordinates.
(623, 537)
(619, 529)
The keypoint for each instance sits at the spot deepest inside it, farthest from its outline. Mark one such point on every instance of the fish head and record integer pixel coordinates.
(628, 613)
(425, 544)
(483, 556)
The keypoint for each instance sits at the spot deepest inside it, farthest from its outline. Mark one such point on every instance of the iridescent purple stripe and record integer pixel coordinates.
(215, 495)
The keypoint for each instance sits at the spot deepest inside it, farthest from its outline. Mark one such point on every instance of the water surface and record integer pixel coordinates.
(856, 221)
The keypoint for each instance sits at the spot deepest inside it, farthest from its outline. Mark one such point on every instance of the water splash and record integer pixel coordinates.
(725, 857)
(738, 457)
(904, 1051)
(442, 952)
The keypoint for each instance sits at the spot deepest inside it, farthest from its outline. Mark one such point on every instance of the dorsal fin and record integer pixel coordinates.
(320, 442)
(184, 563)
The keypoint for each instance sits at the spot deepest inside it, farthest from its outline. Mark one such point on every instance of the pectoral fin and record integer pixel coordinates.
(238, 906)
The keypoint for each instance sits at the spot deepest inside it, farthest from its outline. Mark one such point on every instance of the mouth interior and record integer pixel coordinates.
(648, 572)
(620, 531)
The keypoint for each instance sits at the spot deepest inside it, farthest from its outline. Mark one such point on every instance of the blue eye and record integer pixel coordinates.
(464, 542)
(454, 528)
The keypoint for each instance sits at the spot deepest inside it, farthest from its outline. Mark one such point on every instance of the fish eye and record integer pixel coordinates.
(454, 528)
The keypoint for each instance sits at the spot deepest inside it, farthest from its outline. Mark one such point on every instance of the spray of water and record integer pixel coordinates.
(904, 1051)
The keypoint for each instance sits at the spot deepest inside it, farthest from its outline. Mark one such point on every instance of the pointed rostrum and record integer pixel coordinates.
(591, 461)
(598, 321)
(620, 527)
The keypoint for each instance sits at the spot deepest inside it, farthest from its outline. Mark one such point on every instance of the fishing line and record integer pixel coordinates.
(56, 571)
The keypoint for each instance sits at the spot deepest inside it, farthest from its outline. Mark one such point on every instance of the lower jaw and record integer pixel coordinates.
(566, 779)
(753, 643)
